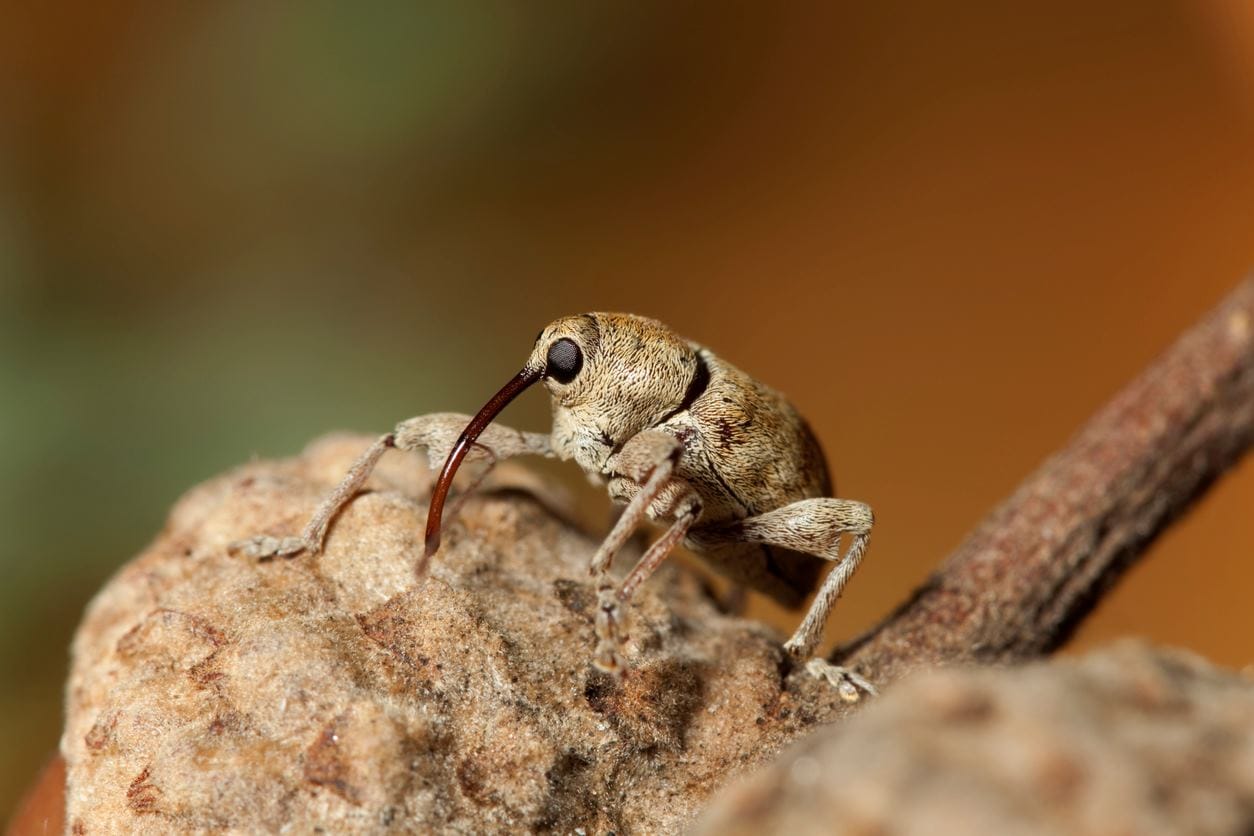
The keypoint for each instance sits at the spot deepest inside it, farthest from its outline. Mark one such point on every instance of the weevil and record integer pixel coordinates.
(680, 437)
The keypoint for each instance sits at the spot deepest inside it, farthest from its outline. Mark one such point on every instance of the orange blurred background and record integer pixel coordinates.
(948, 233)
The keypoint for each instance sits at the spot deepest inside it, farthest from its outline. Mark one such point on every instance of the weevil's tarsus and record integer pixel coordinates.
(483, 417)
(265, 547)
(848, 684)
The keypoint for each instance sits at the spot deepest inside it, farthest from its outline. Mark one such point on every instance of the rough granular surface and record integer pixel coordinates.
(1127, 740)
(211, 691)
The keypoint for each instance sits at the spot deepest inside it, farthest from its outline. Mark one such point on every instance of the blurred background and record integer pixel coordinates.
(949, 233)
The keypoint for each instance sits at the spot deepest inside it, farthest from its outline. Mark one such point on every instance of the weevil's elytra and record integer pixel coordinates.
(680, 437)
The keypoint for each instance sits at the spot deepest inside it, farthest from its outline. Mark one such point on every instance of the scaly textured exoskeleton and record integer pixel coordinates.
(681, 438)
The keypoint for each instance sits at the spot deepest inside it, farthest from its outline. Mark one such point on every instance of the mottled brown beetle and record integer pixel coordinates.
(680, 437)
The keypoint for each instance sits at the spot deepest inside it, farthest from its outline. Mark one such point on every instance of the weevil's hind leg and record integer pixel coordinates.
(835, 517)
(435, 433)
(815, 526)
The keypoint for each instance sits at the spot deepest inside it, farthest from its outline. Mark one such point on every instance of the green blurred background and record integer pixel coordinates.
(949, 233)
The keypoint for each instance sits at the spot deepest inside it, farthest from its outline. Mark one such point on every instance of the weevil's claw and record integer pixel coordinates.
(265, 547)
(847, 683)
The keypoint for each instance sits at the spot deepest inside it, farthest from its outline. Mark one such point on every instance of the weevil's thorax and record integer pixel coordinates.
(635, 371)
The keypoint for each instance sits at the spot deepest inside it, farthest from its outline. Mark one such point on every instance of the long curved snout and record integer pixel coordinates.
(477, 425)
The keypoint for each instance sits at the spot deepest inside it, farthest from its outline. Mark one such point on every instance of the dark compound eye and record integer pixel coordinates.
(564, 361)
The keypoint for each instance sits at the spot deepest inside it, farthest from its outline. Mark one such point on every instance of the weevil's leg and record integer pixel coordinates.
(311, 539)
(614, 512)
(836, 516)
(815, 526)
(609, 617)
(647, 460)
(436, 434)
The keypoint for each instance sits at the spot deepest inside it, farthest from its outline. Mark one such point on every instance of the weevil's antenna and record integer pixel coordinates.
(478, 424)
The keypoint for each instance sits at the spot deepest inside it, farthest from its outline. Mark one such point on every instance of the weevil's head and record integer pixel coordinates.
(610, 377)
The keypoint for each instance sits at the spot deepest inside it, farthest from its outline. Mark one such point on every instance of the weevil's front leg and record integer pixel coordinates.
(814, 526)
(315, 532)
(648, 461)
(611, 602)
(435, 433)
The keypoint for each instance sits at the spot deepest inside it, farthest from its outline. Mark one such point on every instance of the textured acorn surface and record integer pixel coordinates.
(1128, 739)
(213, 691)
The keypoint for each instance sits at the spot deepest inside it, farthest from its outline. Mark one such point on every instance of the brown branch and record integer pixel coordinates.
(1024, 579)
